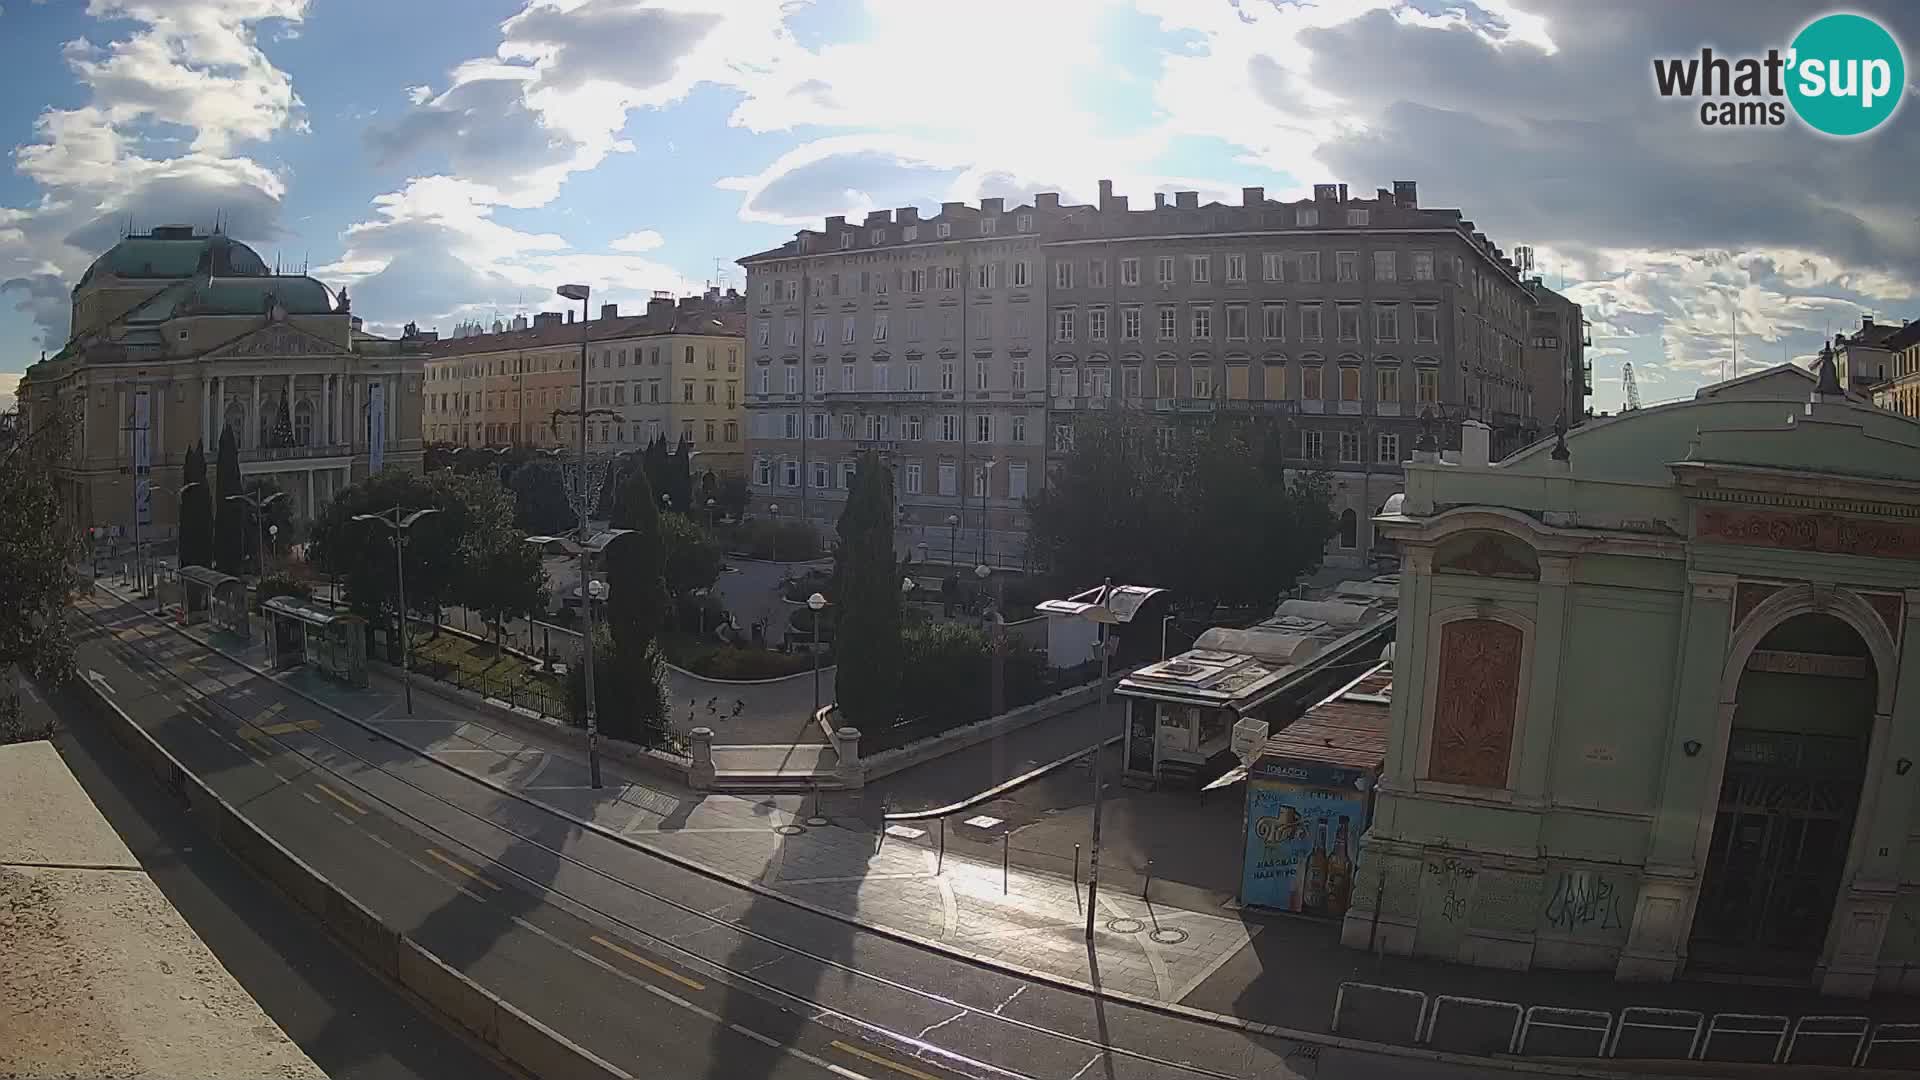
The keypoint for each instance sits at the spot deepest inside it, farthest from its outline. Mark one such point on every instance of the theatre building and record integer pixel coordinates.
(1656, 702)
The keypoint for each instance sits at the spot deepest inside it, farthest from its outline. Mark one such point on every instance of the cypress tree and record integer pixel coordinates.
(229, 518)
(196, 511)
(867, 577)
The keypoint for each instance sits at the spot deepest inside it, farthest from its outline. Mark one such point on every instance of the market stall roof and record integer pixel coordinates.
(312, 616)
(1348, 729)
(205, 575)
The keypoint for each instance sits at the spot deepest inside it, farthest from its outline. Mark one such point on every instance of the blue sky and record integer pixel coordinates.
(453, 159)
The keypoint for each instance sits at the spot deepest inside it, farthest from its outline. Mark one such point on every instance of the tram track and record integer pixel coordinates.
(912, 1044)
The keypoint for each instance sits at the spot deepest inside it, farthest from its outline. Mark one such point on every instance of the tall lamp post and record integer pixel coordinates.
(953, 542)
(999, 626)
(590, 591)
(180, 495)
(1108, 606)
(399, 526)
(818, 605)
(582, 293)
(253, 499)
(774, 509)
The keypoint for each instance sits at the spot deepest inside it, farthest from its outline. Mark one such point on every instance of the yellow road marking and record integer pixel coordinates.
(339, 798)
(462, 868)
(646, 963)
(270, 712)
(849, 1048)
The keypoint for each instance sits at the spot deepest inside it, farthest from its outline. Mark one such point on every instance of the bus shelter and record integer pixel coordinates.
(335, 643)
(207, 595)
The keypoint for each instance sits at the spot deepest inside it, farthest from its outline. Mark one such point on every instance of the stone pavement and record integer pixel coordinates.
(840, 863)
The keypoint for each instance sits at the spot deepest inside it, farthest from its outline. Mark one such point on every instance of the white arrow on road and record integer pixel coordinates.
(101, 681)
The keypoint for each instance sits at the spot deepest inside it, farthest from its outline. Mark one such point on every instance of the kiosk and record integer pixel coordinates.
(333, 642)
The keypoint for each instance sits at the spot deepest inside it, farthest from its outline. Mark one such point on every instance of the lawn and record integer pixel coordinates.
(470, 657)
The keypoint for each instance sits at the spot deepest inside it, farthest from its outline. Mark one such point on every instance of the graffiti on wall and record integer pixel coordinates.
(1583, 901)
(1454, 877)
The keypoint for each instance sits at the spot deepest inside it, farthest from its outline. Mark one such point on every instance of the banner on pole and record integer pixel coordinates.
(376, 426)
(142, 458)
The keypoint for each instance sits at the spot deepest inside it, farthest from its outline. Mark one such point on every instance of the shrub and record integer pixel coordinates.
(279, 585)
(946, 674)
(806, 585)
(798, 541)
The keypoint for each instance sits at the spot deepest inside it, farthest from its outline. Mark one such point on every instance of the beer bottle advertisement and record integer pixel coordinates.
(1299, 846)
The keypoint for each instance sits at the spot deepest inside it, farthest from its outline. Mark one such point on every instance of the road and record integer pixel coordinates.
(656, 967)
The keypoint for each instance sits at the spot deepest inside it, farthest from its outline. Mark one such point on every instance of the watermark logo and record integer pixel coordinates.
(1843, 75)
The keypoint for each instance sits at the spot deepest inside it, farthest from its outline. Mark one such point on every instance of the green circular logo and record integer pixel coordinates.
(1846, 74)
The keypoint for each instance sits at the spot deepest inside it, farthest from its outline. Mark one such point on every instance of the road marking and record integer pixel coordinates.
(339, 798)
(101, 681)
(849, 1048)
(344, 818)
(461, 868)
(308, 795)
(755, 1036)
(644, 962)
(378, 840)
(445, 880)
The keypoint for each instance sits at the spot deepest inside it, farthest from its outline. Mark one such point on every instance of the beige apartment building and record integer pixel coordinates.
(1900, 392)
(178, 336)
(675, 371)
(924, 339)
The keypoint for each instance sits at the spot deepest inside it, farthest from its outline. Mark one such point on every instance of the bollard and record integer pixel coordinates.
(1149, 884)
(1003, 862)
(941, 859)
(1076, 877)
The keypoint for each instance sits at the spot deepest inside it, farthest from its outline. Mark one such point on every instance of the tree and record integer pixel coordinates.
(229, 518)
(37, 551)
(636, 568)
(630, 692)
(196, 510)
(540, 504)
(693, 560)
(679, 480)
(866, 584)
(282, 427)
(362, 551)
(732, 497)
(502, 577)
(279, 515)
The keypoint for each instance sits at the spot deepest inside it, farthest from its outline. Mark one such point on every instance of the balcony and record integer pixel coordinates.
(881, 397)
(293, 453)
(1259, 407)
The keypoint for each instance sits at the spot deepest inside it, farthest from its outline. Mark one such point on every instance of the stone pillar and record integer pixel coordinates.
(1543, 695)
(853, 775)
(1663, 914)
(219, 414)
(253, 419)
(310, 512)
(700, 742)
(206, 412)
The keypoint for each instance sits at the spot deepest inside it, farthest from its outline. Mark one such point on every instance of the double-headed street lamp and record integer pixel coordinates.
(398, 526)
(590, 591)
(998, 623)
(259, 502)
(817, 604)
(179, 494)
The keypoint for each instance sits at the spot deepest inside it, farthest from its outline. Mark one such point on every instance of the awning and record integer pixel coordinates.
(1229, 778)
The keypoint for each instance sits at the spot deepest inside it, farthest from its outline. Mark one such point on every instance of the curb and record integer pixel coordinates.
(999, 789)
(1173, 1009)
(458, 999)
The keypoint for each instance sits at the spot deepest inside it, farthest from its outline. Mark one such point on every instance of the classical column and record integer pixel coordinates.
(311, 505)
(326, 410)
(253, 421)
(206, 411)
(1543, 694)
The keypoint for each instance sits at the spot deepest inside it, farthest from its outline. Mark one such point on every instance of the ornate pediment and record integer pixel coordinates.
(276, 340)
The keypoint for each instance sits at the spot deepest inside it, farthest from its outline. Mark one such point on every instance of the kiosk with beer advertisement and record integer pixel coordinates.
(1309, 799)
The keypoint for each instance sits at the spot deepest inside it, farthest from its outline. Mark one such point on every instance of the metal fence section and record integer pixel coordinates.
(1903, 1041)
(1658, 1033)
(1754, 1037)
(1396, 1016)
(1555, 1032)
(1481, 1026)
(1830, 1040)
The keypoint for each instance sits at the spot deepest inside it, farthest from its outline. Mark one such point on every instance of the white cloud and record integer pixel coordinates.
(644, 240)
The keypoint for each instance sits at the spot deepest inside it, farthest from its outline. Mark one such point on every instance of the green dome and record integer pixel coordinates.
(175, 252)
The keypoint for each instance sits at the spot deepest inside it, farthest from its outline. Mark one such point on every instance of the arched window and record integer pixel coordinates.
(303, 424)
(236, 419)
(1349, 529)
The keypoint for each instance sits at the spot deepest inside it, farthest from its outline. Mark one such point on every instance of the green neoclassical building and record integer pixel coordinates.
(1657, 698)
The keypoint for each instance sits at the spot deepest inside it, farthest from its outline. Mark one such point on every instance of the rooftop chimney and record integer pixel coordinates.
(1382, 194)
(543, 319)
(1252, 196)
(609, 311)
(879, 217)
(991, 206)
(1866, 322)
(660, 307)
(569, 316)
(1159, 200)
(1407, 194)
(1343, 193)
(1475, 443)
(947, 208)
(907, 215)
(836, 223)
(1106, 193)
(1186, 200)
(1047, 200)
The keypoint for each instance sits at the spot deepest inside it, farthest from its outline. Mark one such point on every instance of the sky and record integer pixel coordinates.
(449, 160)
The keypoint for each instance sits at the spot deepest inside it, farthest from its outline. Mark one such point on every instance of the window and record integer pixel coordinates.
(979, 481)
(1130, 383)
(1097, 274)
(1019, 273)
(817, 426)
(793, 335)
(979, 374)
(983, 323)
(1310, 446)
(989, 226)
(1062, 438)
(846, 240)
(917, 280)
(1426, 323)
(910, 233)
(1097, 324)
(1271, 266)
(1066, 382)
(1347, 321)
(880, 377)
(732, 430)
(1386, 322)
(763, 332)
(946, 375)
(846, 332)
(910, 428)
(1387, 386)
(845, 478)
(986, 275)
(1099, 381)
(913, 477)
(943, 230)
(1200, 269)
(819, 380)
(1163, 270)
(1063, 274)
(1311, 376)
(949, 478)
(1423, 266)
(949, 277)
(820, 475)
(1274, 321)
(1169, 323)
(1203, 383)
(1063, 326)
(1356, 217)
(1309, 266)
(1017, 480)
(1389, 449)
(949, 427)
(983, 428)
(689, 354)
(1310, 318)
(1383, 266)
(1130, 324)
(1307, 215)
(1203, 324)
(1349, 383)
(1129, 271)
(1350, 447)
(913, 375)
(762, 472)
(1023, 223)
(1236, 267)
(733, 360)
(846, 376)
(1019, 324)
(1017, 428)
(1349, 529)
(789, 472)
(1346, 266)
(686, 391)
(880, 327)
(1163, 381)
(1019, 375)
(709, 431)
(1426, 383)
(1236, 322)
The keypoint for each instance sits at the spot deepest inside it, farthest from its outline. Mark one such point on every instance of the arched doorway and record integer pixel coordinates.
(1796, 756)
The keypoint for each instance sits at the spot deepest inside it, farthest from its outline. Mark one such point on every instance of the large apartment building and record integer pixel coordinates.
(1900, 391)
(675, 371)
(1342, 319)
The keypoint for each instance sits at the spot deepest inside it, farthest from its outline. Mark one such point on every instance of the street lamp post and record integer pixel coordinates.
(590, 591)
(253, 499)
(774, 509)
(582, 293)
(710, 505)
(999, 629)
(180, 495)
(398, 526)
(817, 604)
(953, 541)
